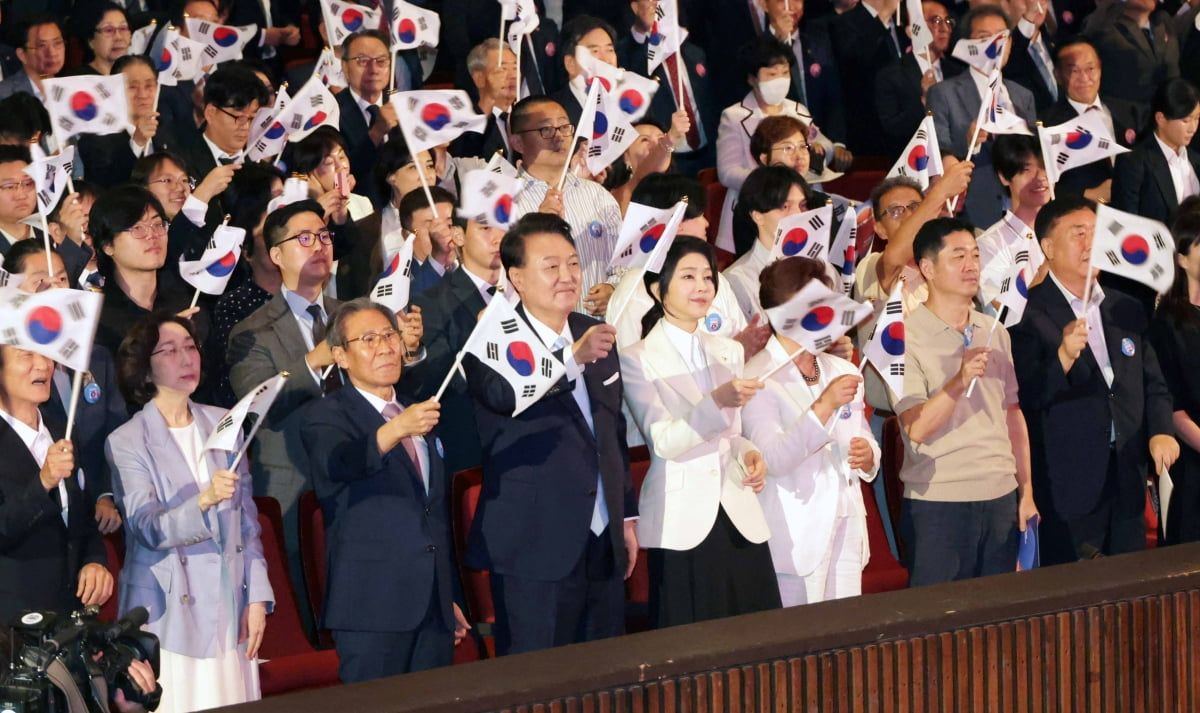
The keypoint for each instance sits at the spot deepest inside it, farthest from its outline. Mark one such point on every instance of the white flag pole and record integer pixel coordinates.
(446, 382)
(791, 357)
(49, 249)
(76, 387)
(500, 54)
(988, 343)
(987, 100)
(562, 180)
(253, 431)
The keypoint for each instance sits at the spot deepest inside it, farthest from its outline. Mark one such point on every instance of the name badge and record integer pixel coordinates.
(1127, 347)
(92, 392)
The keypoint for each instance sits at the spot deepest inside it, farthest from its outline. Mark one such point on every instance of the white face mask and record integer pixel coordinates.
(774, 91)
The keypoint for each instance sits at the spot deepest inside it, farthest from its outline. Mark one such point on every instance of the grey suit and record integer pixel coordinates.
(177, 558)
(18, 82)
(955, 104)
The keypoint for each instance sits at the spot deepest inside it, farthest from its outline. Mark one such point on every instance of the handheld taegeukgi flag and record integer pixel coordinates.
(606, 129)
(843, 251)
(921, 160)
(212, 271)
(999, 119)
(311, 107)
(50, 176)
(646, 236)
(393, 286)
(922, 36)
(498, 164)
(487, 198)
(507, 345)
(1135, 247)
(86, 105)
(343, 19)
(295, 189)
(816, 316)
(329, 69)
(633, 92)
(411, 26)
(1076, 143)
(433, 117)
(222, 43)
(59, 324)
(178, 58)
(1014, 293)
(256, 403)
(984, 54)
(885, 348)
(524, 19)
(139, 39)
(666, 36)
(803, 234)
(268, 135)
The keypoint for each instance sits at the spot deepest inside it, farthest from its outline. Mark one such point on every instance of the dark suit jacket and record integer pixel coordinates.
(898, 96)
(424, 276)
(40, 556)
(108, 161)
(1071, 415)
(1023, 70)
(539, 470)
(359, 146)
(822, 79)
(1132, 68)
(13, 83)
(721, 28)
(1126, 117)
(1142, 181)
(632, 56)
(390, 546)
(101, 411)
(449, 311)
(477, 20)
(483, 145)
(566, 98)
(863, 47)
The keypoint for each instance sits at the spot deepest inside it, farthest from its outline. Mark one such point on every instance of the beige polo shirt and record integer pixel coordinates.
(971, 457)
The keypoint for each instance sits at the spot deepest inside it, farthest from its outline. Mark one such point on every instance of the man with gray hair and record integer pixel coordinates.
(378, 472)
(493, 70)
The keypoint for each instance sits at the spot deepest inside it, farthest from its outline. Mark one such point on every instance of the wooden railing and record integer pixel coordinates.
(1120, 634)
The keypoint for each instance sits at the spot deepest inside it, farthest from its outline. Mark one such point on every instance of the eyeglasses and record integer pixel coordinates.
(142, 231)
(113, 30)
(306, 238)
(52, 44)
(239, 121)
(790, 148)
(374, 340)
(898, 211)
(363, 61)
(25, 185)
(170, 182)
(172, 352)
(935, 20)
(547, 132)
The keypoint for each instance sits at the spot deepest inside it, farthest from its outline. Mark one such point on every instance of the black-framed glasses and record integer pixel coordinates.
(547, 132)
(239, 121)
(936, 20)
(363, 60)
(374, 340)
(143, 231)
(307, 238)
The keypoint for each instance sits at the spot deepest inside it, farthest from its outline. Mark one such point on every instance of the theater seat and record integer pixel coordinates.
(892, 457)
(290, 663)
(857, 184)
(114, 549)
(476, 588)
(1151, 515)
(883, 572)
(313, 560)
(637, 587)
(707, 176)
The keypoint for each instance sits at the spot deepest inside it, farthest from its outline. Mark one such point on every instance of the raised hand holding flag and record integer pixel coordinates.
(412, 27)
(921, 160)
(58, 324)
(843, 250)
(431, 118)
(268, 135)
(804, 234)
(1014, 293)
(1076, 143)
(984, 54)
(487, 198)
(815, 317)
(329, 69)
(343, 19)
(665, 37)
(222, 43)
(605, 128)
(256, 403)
(311, 107)
(646, 236)
(210, 274)
(51, 176)
(921, 35)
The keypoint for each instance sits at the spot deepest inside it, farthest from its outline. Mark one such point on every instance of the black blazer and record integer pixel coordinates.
(822, 80)
(360, 148)
(1070, 416)
(449, 311)
(108, 161)
(539, 470)
(389, 542)
(863, 47)
(40, 556)
(1132, 68)
(482, 145)
(632, 56)
(1142, 181)
(1128, 121)
(566, 98)
(898, 96)
(1023, 70)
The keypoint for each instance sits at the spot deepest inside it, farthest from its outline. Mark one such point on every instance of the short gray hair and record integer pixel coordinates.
(336, 334)
(477, 58)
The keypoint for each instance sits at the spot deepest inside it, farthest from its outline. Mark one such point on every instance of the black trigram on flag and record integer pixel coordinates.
(920, 135)
(481, 218)
(1116, 228)
(75, 310)
(848, 319)
(57, 94)
(225, 424)
(488, 189)
(814, 251)
(186, 53)
(1102, 143)
(316, 100)
(1005, 283)
(422, 23)
(65, 124)
(823, 343)
(420, 133)
(9, 336)
(297, 122)
(4, 278)
(618, 134)
(1062, 158)
(789, 324)
(493, 351)
(204, 27)
(109, 120)
(893, 308)
(456, 103)
(595, 150)
(1156, 271)
(972, 50)
(509, 326)
(1112, 257)
(261, 145)
(1159, 242)
(102, 90)
(896, 368)
(816, 222)
(528, 391)
(547, 367)
(69, 347)
(17, 300)
(1021, 256)
(210, 52)
(384, 290)
(44, 197)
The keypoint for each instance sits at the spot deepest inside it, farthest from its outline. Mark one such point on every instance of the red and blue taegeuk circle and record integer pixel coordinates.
(794, 241)
(1078, 139)
(502, 209)
(435, 115)
(275, 132)
(599, 126)
(83, 106)
(651, 237)
(406, 30)
(352, 19)
(225, 36)
(819, 318)
(224, 266)
(315, 120)
(917, 158)
(520, 358)
(631, 100)
(1135, 249)
(44, 324)
(892, 339)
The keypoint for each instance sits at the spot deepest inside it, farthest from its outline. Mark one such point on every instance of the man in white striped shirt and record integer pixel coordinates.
(541, 133)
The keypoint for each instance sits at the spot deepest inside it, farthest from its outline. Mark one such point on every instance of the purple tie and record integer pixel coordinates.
(391, 411)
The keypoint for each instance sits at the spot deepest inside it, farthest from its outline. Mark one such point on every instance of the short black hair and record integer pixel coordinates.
(1068, 43)
(512, 245)
(19, 252)
(275, 228)
(233, 86)
(764, 190)
(931, 238)
(980, 11)
(574, 29)
(20, 29)
(305, 155)
(525, 107)
(133, 356)
(179, 6)
(1011, 151)
(392, 156)
(84, 188)
(762, 52)
(114, 212)
(1056, 209)
(663, 190)
(415, 200)
(246, 198)
(336, 334)
(355, 36)
(147, 165)
(888, 185)
(22, 116)
(14, 154)
(1175, 98)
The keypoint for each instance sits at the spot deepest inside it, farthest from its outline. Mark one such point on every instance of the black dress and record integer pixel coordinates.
(1177, 343)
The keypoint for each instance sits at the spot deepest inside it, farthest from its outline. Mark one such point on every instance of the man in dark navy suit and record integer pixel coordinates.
(393, 591)
(555, 521)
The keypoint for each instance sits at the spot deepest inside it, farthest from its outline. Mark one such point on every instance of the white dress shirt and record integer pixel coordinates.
(1182, 173)
(422, 447)
(38, 441)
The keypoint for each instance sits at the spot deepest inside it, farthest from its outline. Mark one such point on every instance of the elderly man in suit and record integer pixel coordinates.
(1094, 397)
(866, 39)
(1138, 45)
(42, 52)
(555, 521)
(955, 105)
(393, 590)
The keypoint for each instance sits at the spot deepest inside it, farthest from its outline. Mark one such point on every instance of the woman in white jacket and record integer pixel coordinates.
(809, 423)
(700, 517)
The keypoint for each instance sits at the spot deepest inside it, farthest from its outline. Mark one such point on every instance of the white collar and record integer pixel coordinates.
(218, 153)
(481, 284)
(548, 335)
(361, 102)
(24, 432)
(1172, 156)
(1076, 303)
(1080, 107)
(377, 403)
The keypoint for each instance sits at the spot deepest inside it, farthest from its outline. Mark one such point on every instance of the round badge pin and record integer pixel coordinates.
(595, 229)
(1127, 347)
(92, 392)
(437, 443)
(713, 322)
(845, 412)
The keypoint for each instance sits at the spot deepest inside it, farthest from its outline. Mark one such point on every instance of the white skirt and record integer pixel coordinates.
(191, 684)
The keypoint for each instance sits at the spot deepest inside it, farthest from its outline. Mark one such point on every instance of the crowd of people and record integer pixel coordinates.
(758, 448)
